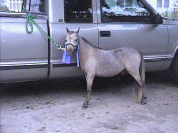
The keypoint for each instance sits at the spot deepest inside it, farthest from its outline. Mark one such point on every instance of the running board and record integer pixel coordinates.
(158, 58)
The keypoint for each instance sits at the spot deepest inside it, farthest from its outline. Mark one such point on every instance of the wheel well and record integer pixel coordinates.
(173, 60)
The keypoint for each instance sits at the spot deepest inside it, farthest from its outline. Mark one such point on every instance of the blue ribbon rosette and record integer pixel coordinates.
(66, 59)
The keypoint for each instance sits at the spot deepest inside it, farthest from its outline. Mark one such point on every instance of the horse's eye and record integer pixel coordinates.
(76, 40)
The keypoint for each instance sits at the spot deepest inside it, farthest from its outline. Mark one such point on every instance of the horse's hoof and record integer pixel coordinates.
(85, 105)
(144, 98)
(143, 101)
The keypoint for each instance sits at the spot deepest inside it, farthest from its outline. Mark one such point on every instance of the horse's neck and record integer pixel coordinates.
(86, 52)
(84, 47)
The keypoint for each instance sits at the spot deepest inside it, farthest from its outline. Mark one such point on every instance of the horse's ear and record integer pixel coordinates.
(78, 30)
(67, 30)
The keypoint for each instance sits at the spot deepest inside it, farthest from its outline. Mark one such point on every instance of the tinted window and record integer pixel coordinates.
(123, 11)
(78, 11)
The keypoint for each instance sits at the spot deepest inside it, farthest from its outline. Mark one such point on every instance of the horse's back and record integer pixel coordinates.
(127, 50)
(127, 54)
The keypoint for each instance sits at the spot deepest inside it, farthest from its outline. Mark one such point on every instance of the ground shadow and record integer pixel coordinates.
(67, 85)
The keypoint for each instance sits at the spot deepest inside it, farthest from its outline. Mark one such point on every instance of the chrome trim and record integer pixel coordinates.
(23, 65)
(10, 14)
(58, 63)
(158, 58)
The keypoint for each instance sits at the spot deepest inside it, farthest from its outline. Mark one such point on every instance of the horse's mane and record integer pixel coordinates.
(85, 40)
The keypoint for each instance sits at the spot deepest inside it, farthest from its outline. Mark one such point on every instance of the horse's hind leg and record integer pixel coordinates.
(139, 92)
(89, 79)
(139, 89)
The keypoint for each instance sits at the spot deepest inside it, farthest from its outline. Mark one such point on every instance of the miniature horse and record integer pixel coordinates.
(97, 62)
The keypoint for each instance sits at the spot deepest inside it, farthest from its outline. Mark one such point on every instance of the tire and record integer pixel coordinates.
(5, 86)
(2, 88)
(175, 67)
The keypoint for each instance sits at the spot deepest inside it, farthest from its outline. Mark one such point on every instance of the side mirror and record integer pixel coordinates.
(158, 19)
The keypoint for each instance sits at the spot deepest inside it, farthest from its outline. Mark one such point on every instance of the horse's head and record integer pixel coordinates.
(72, 41)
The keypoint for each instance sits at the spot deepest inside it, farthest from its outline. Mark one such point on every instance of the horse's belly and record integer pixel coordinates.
(109, 70)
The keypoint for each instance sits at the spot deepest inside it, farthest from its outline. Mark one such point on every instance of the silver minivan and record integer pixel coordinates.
(108, 24)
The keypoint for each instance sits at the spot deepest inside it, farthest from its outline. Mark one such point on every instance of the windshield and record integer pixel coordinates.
(167, 8)
(19, 6)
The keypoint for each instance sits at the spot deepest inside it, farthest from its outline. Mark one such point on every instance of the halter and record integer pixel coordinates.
(67, 59)
(75, 47)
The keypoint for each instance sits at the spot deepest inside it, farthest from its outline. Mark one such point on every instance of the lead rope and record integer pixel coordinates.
(30, 21)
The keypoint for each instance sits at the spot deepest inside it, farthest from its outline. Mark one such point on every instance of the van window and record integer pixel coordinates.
(123, 11)
(78, 11)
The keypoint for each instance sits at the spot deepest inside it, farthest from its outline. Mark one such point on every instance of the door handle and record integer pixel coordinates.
(105, 33)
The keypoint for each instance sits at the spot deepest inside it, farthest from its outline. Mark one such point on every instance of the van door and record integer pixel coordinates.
(124, 23)
(70, 14)
(23, 56)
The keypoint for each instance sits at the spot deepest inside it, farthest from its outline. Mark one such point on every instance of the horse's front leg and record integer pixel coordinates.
(89, 79)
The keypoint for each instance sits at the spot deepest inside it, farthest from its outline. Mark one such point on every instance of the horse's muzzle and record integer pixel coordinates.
(70, 44)
(69, 50)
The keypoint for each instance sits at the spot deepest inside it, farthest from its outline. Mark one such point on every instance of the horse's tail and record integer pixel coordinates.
(142, 69)
(142, 75)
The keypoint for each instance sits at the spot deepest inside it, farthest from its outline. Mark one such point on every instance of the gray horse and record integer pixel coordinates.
(97, 62)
